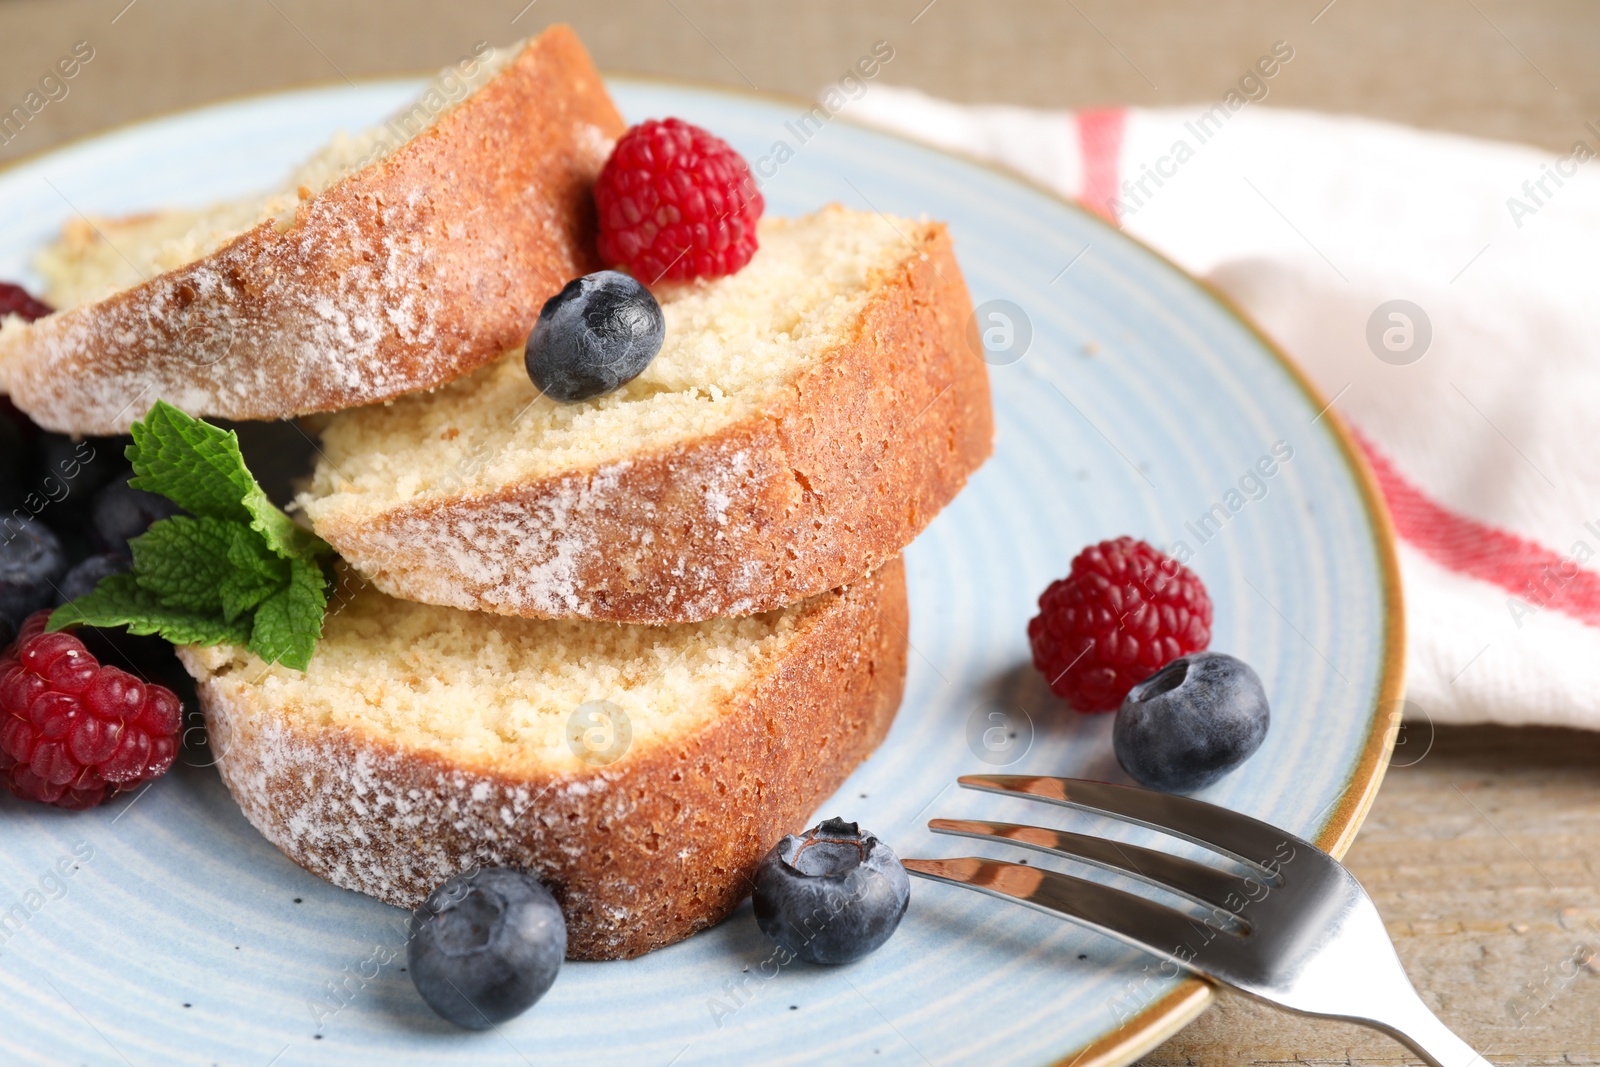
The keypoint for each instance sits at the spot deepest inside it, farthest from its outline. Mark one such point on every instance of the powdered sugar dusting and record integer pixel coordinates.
(367, 818)
(369, 289)
(372, 812)
(199, 340)
(594, 148)
(538, 554)
(534, 554)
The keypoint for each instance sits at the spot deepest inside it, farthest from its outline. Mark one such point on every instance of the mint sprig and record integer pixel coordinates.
(235, 570)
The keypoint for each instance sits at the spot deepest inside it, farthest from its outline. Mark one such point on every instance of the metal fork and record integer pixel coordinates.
(1294, 928)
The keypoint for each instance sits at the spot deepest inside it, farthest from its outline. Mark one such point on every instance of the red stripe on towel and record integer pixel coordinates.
(1521, 567)
(1100, 144)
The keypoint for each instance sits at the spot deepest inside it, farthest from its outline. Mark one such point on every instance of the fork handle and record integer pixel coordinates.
(1431, 1039)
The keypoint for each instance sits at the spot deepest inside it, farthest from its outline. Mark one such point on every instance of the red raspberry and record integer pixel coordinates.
(676, 203)
(74, 733)
(15, 300)
(1123, 613)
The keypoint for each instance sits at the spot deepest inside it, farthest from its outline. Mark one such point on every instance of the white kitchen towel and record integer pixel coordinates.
(1443, 292)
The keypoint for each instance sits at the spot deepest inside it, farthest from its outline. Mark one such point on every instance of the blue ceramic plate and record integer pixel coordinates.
(163, 930)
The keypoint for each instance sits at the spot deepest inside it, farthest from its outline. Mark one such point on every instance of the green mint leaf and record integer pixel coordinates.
(280, 531)
(199, 467)
(184, 561)
(120, 601)
(289, 622)
(257, 572)
(194, 464)
(235, 570)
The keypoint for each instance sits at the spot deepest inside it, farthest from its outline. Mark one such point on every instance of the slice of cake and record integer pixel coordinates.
(396, 260)
(639, 772)
(805, 419)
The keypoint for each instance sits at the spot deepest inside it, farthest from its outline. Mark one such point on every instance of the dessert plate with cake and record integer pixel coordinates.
(623, 624)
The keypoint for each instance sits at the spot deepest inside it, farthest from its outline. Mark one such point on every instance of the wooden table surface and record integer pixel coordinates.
(1480, 854)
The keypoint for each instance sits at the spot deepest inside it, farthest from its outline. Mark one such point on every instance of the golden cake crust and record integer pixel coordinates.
(642, 852)
(820, 488)
(402, 276)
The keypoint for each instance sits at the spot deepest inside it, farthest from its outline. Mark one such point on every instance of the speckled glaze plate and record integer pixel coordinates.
(162, 929)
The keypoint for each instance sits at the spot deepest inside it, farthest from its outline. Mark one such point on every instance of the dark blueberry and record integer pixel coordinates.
(14, 455)
(122, 513)
(83, 577)
(1191, 722)
(31, 564)
(596, 335)
(85, 465)
(832, 894)
(485, 946)
(147, 657)
(65, 478)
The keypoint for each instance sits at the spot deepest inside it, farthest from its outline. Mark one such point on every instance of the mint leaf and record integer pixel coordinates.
(199, 467)
(184, 561)
(280, 532)
(234, 570)
(119, 601)
(257, 572)
(289, 622)
(193, 464)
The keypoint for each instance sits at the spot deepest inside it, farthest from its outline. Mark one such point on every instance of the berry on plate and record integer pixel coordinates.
(595, 336)
(832, 894)
(676, 203)
(1191, 722)
(74, 733)
(31, 563)
(485, 946)
(1124, 611)
(122, 513)
(15, 300)
(14, 448)
(86, 574)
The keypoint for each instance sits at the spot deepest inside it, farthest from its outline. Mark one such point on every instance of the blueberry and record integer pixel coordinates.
(147, 657)
(83, 466)
(56, 480)
(122, 513)
(1191, 722)
(31, 563)
(485, 946)
(84, 576)
(831, 895)
(14, 452)
(596, 335)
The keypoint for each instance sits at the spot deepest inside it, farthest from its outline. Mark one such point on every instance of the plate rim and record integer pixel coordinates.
(1167, 1016)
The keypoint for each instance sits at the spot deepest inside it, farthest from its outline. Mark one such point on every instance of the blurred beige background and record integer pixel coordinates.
(1482, 854)
(1519, 70)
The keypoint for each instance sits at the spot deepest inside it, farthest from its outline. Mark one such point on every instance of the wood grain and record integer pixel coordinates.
(1517, 70)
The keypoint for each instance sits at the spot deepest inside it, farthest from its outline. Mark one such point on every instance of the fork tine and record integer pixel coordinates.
(1250, 841)
(1139, 922)
(1205, 885)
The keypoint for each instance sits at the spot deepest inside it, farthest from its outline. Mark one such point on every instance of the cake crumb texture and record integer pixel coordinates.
(805, 419)
(423, 740)
(404, 274)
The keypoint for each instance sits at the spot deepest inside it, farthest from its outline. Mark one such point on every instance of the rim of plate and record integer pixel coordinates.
(1167, 1016)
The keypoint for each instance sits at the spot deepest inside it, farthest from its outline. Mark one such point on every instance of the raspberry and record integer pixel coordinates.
(1124, 612)
(74, 733)
(676, 203)
(15, 300)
